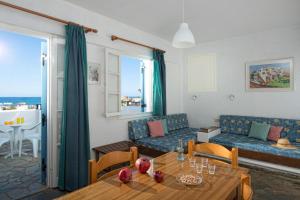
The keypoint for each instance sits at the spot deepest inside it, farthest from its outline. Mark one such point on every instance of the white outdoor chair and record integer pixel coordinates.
(32, 133)
(6, 135)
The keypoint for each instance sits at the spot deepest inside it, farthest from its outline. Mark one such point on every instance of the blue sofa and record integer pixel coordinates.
(178, 128)
(235, 129)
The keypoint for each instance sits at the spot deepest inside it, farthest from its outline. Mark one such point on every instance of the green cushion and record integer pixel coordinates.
(259, 131)
(165, 126)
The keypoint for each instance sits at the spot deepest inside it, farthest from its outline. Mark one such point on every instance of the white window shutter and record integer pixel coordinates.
(113, 83)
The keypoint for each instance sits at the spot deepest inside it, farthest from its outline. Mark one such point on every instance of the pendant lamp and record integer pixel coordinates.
(183, 38)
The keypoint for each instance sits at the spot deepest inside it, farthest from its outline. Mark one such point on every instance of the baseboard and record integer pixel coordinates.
(270, 166)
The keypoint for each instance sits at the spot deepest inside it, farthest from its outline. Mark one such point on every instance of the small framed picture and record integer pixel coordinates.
(270, 75)
(94, 73)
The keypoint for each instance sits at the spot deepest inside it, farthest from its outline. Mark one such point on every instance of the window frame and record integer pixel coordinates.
(120, 114)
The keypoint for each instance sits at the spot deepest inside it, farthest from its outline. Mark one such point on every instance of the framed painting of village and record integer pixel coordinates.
(270, 75)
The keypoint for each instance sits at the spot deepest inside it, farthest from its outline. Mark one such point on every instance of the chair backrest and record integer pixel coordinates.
(214, 149)
(4, 130)
(108, 160)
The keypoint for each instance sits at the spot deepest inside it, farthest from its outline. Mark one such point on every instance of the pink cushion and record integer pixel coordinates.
(274, 133)
(156, 128)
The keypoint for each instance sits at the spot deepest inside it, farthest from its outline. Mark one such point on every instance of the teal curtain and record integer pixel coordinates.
(159, 84)
(75, 145)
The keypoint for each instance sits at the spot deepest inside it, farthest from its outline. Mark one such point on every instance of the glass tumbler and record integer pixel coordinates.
(199, 168)
(211, 168)
(204, 162)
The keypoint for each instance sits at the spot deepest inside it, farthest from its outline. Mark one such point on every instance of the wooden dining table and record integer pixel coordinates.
(224, 184)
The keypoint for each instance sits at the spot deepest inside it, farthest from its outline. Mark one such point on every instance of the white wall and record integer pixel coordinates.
(232, 54)
(102, 130)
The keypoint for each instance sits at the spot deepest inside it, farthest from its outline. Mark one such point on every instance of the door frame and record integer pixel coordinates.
(51, 136)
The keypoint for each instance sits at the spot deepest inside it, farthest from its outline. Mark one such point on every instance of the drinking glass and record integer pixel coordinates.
(204, 162)
(22, 120)
(211, 168)
(180, 150)
(192, 162)
(199, 168)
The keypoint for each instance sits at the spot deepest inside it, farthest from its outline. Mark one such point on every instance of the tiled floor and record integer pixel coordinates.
(47, 194)
(274, 185)
(19, 176)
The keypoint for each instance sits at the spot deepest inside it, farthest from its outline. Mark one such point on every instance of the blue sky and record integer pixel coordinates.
(130, 73)
(20, 66)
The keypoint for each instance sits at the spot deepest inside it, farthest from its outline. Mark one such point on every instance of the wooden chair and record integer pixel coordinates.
(247, 191)
(214, 149)
(109, 160)
(219, 150)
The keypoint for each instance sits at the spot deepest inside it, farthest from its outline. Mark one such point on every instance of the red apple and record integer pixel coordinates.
(142, 164)
(158, 176)
(125, 175)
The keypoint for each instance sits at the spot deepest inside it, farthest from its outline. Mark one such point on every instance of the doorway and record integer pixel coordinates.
(23, 113)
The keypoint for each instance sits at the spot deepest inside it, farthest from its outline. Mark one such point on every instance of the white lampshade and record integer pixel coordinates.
(183, 38)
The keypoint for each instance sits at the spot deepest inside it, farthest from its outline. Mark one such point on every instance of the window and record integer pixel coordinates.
(202, 73)
(128, 84)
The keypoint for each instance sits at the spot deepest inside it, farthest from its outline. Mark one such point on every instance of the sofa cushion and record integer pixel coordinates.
(241, 125)
(165, 126)
(274, 133)
(259, 131)
(138, 129)
(252, 144)
(169, 142)
(295, 133)
(156, 128)
(177, 121)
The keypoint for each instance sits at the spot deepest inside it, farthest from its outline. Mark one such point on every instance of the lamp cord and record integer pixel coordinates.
(182, 10)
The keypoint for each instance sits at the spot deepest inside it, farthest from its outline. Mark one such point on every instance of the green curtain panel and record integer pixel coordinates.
(75, 144)
(159, 84)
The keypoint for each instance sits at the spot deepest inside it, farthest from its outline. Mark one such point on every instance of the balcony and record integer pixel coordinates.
(20, 171)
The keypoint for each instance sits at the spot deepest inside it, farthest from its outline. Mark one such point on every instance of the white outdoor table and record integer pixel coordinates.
(15, 136)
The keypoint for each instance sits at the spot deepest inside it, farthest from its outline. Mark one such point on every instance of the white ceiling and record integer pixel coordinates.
(208, 19)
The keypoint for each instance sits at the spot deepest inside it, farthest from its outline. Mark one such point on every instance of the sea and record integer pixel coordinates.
(20, 100)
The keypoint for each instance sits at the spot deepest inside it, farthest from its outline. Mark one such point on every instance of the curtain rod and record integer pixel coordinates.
(114, 37)
(87, 29)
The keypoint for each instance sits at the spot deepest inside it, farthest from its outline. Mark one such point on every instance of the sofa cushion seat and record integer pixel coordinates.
(170, 141)
(252, 144)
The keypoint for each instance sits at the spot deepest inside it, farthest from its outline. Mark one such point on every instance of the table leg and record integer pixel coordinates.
(239, 192)
(20, 137)
(16, 139)
(12, 144)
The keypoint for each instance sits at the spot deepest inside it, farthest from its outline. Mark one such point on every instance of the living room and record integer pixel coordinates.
(218, 81)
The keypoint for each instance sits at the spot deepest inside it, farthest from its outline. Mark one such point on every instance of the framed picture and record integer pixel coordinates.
(270, 75)
(94, 73)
